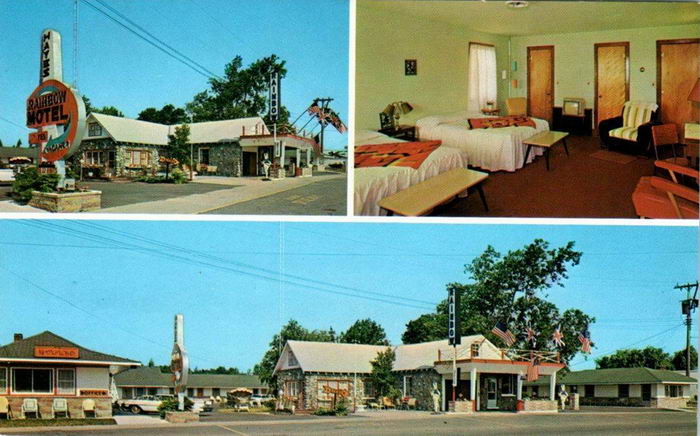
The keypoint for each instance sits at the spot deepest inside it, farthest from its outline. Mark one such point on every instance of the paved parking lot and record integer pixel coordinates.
(649, 422)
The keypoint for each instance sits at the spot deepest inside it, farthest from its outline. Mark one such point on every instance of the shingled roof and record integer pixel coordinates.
(615, 376)
(153, 377)
(24, 349)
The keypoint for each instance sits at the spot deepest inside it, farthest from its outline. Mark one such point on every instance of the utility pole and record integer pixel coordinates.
(688, 306)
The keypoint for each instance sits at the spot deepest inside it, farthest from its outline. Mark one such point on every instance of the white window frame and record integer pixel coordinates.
(32, 392)
(483, 76)
(93, 157)
(65, 391)
(94, 129)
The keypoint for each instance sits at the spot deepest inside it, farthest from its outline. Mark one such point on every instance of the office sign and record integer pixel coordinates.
(56, 352)
(453, 335)
(50, 62)
(274, 96)
(179, 362)
(59, 114)
(94, 393)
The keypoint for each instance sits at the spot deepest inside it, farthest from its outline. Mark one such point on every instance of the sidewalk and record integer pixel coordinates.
(246, 190)
(10, 206)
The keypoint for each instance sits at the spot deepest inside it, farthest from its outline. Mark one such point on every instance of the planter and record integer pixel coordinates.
(539, 406)
(464, 406)
(519, 406)
(181, 417)
(305, 172)
(67, 202)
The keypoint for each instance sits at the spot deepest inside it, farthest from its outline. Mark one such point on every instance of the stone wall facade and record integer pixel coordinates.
(465, 406)
(669, 402)
(422, 386)
(103, 406)
(122, 158)
(540, 406)
(311, 386)
(226, 157)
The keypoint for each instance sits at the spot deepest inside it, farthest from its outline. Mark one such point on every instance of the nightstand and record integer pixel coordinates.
(492, 112)
(403, 131)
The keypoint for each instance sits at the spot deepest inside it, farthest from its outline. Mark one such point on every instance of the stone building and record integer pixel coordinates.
(639, 387)
(124, 147)
(152, 381)
(46, 366)
(316, 374)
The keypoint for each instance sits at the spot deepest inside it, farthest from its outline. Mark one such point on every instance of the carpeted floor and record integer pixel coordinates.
(578, 186)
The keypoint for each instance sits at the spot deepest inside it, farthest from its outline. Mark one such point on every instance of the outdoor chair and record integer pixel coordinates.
(411, 403)
(59, 406)
(30, 406)
(242, 405)
(373, 404)
(5, 407)
(387, 403)
(89, 408)
(516, 106)
(656, 197)
(211, 169)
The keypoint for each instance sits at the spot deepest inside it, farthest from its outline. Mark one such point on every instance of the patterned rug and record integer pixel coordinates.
(612, 156)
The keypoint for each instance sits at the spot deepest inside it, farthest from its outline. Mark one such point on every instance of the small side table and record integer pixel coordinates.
(403, 131)
(545, 140)
(487, 111)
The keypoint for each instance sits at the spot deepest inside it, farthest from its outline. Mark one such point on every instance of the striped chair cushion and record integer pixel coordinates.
(628, 133)
(636, 114)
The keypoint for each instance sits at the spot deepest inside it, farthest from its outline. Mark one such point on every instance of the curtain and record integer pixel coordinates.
(482, 76)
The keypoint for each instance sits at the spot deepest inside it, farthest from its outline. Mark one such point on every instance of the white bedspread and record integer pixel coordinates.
(490, 149)
(373, 184)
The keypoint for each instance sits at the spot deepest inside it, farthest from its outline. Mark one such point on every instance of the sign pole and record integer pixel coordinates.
(454, 336)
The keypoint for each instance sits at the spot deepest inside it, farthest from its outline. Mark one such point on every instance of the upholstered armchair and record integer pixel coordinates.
(631, 131)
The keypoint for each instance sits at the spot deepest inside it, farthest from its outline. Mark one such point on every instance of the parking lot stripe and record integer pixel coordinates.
(233, 431)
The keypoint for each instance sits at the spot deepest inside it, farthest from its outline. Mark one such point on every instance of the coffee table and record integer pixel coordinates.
(422, 198)
(545, 140)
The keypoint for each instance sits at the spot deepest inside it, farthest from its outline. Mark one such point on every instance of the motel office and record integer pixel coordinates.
(124, 147)
(313, 374)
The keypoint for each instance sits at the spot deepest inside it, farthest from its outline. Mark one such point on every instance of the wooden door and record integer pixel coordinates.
(677, 70)
(540, 82)
(612, 86)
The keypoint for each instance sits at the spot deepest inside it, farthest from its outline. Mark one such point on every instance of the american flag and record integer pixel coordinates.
(531, 335)
(501, 330)
(533, 369)
(585, 338)
(557, 337)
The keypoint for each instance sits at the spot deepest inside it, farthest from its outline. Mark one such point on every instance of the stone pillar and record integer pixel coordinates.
(519, 390)
(298, 157)
(308, 157)
(282, 154)
(552, 385)
(473, 391)
(442, 393)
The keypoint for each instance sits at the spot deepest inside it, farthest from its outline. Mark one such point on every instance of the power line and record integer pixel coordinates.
(13, 123)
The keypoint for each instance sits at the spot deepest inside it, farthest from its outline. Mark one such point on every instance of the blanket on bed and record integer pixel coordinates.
(403, 154)
(492, 123)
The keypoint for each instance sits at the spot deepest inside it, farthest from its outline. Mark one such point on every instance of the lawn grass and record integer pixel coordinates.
(251, 410)
(33, 422)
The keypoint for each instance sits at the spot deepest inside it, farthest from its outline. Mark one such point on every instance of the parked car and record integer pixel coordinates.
(7, 175)
(201, 405)
(257, 400)
(143, 403)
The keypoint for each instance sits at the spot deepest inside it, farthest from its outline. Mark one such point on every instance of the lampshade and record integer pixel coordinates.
(695, 93)
(389, 110)
(404, 107)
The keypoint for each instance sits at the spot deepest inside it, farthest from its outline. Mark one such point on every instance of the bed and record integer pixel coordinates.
(498, 149)
(374, 183)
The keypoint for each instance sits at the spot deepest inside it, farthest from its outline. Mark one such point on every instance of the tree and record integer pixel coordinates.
(151, 363)
(179, 147)
(109, 110)
(1, 145)
(19, 143)
(88, 105)
(290, 331)
(504, 288)
(364, 331)
(168, 114)
(649, 357)
(242, 92)
(678, 360)
(382, 376)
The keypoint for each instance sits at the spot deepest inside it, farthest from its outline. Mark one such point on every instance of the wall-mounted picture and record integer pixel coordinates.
(411, 67)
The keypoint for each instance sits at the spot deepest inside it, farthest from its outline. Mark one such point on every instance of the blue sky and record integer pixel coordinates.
(116, 68)
(114, 287)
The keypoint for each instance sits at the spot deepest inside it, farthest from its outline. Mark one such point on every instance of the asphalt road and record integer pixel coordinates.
(642, 423)
(120, 194)
(327, 197)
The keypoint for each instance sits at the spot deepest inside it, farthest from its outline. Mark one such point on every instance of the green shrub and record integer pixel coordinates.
(29, 180)
(270, 404)
(170, 405)
(178, 176)
(340, 409)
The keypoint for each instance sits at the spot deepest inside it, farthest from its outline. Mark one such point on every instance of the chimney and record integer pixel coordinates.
(18, 337)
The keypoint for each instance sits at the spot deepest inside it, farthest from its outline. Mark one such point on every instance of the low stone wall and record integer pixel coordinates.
(669, 402)
(614, 401)
(539, 406)
(67, 202)
(181, 417)
(103, 407)
(465, 406)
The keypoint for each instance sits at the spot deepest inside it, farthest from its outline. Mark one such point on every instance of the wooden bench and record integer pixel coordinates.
(422, 198)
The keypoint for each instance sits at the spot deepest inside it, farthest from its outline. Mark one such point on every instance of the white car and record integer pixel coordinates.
(143, 403)
(7, 175)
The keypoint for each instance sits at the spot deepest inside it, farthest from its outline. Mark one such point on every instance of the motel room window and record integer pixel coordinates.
(171, 391)
(94, 129)
(535, 391)
(589, 391)
(32, 381)
(507, 385)
(483, 80)
(93, 157)
(127, 393)
(623, 391)
(328, 390)
(216, 392)
(573, 389)
(152, 391)
(370, 391)
(3, 380)
(204, 156)
(475, 350)
(200, 392)
(291, 388)
(673, 391)
(140, 157)
(140, 392)
(407, 385)
(66, 381)
(190, 392)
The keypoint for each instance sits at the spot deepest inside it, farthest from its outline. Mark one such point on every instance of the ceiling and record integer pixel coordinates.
(542, 17)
